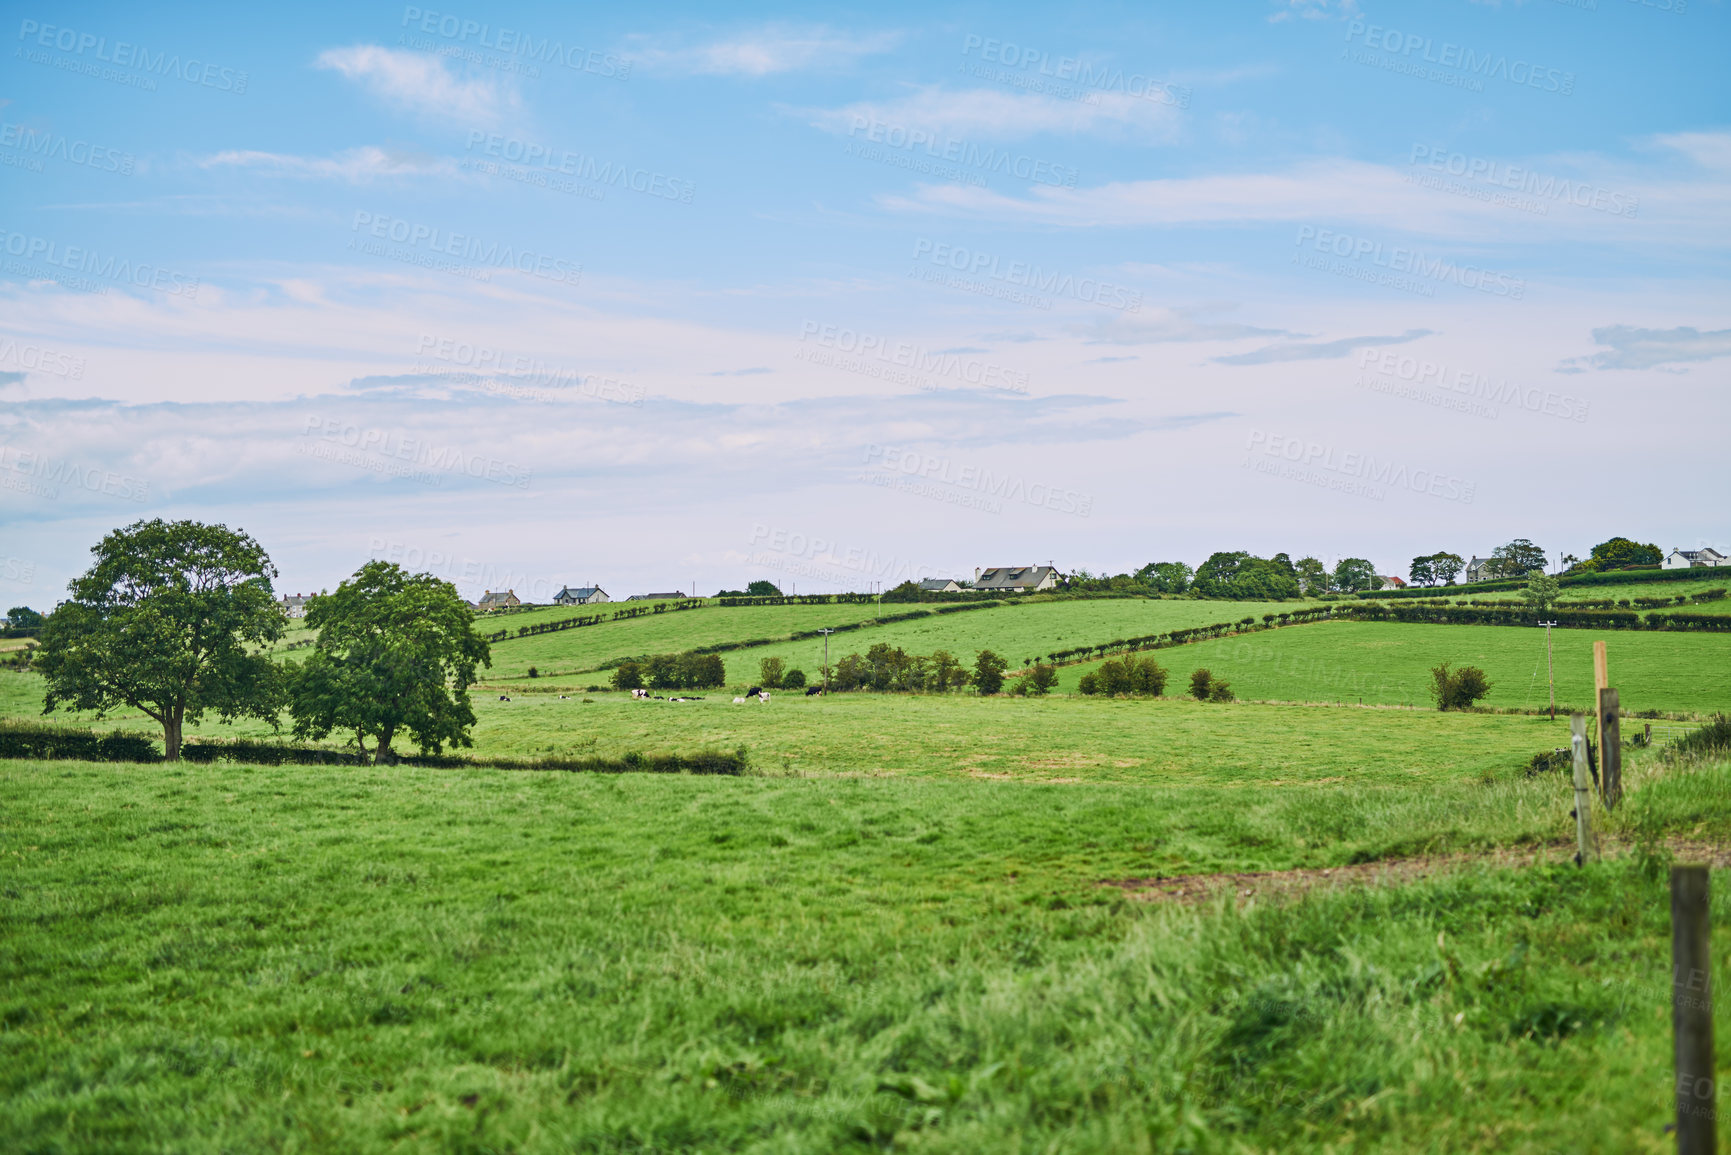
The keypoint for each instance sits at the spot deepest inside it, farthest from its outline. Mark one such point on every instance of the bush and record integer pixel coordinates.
(1714, 737)
(769, 672)
(1089, 684)
(1132, 675)
(1220, 690)
(989, 672)
(1550, 761)
(31, 740)
(794, 679)
(1201, 682)
(1458, 690)
(533, 672)
(1041, 679)
(628, 676)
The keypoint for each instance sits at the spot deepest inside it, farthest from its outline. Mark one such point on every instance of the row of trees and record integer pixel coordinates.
(1520, 557)
(174, 619)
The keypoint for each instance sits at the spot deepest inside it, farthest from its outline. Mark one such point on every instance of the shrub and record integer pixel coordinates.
(794, 679)
(1041, 679)
(1460, 689)
(1549, 761)
(533, 672)
(32, 740)
(1220, 690)
(1201, 682)
(989, 672)
(1714, 737)
(628, 676)
(1089, 684)
(770, 673)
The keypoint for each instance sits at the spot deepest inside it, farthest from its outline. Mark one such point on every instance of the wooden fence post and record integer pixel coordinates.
(1610, 749)
(1692, 1011)
(1583, 790)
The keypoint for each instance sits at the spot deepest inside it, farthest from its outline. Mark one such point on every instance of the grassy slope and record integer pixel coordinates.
(1390, 663)
(275, 959)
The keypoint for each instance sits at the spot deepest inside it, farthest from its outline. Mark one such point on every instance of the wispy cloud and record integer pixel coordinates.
(420, 83)
(355, 165)
(1317, 350)
(1159, 326)
(1632, 348)
(989, 113)
(772, 49)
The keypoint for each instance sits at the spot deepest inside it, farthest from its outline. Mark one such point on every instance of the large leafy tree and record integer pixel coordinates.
(1436, 569)
(1517, 559)
(1312, 576)
(1236, 574)
(23, 618)
(396, 653)
(1354, 573)
(170, 620)
(1167, 577)
(1620, 552)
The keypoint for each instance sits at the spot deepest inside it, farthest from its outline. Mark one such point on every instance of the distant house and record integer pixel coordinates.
(492, 601)
(940, 586)
(294, 607)
(1016, 579)
(667, 597)
(1480, 569)
(1689, 558)
(579, 596)
(1390, 582)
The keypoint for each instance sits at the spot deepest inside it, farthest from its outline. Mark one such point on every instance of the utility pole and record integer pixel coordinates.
(1550, 675)
(826, 633)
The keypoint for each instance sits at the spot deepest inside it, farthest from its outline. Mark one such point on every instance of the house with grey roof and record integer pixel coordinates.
(672, 596)
(1480, 569)
(940, 586)
(1693, 558)
(295, 606)
(580, 596)
(492, 601)
(1021, 579)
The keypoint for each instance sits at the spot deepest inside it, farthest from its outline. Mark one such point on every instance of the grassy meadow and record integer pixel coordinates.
(916, 925)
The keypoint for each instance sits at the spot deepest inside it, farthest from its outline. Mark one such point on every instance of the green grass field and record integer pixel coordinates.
(1390, 663)
(902, 931)
(228, 959)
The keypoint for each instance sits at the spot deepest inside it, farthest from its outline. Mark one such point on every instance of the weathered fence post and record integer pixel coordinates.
(1583, 790)
(1610, 749)
(1692, 1011)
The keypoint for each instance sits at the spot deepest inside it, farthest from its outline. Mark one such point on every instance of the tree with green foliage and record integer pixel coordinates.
(1517, 559)
(1205, 687)
(1240, 576)
(1541, 592)
(171, 620)
(1167, 577)
(1620, 553)
(396, 653)
(947, 672)
(989, 672)
(762, 589)
(23, 618)
(1312, 576)
(794, 679)
(908, 591)
(1460, 689)
(1041, 678)
(771, 671)
(1353, 574)
(628, 676)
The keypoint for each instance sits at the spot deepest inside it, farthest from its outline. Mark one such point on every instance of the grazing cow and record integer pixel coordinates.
(814, 690)
(739, 701)
(503, 698)
(763, 697)
(754, 691)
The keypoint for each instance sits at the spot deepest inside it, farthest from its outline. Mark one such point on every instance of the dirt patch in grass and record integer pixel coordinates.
(1194, 888)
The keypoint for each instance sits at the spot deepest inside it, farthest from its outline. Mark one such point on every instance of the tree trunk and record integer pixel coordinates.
(386, 756)
(171, 734)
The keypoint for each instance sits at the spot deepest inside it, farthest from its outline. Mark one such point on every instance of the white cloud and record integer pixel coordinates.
(420, 83)
(1160, 326)
(355, 165)
(1317, 350)
(773, 49)
(987, 112)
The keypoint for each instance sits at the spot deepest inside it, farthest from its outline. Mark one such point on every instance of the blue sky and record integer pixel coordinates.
(528, 295)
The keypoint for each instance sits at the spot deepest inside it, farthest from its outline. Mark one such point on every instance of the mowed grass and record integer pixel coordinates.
(245, 959)
(1390, 663)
